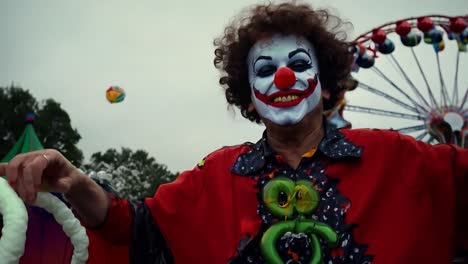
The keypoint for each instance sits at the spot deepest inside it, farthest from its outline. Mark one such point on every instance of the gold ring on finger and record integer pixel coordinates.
(47, 158)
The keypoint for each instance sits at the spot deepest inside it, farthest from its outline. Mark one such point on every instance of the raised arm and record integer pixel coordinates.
(445, 174)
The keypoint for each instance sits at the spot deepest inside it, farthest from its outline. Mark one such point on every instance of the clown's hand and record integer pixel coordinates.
(45, 170)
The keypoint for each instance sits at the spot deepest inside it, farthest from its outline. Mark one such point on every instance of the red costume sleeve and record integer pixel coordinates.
(203, 204)
(117, 226)
(461, 184)
(108, 243)
(446, 173)
(175, 206)
(460, 172)
(188, 213)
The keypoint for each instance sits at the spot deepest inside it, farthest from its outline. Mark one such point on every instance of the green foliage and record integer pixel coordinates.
(135, 174)
(52, 123)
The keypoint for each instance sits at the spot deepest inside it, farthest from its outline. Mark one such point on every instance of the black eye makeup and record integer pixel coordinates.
(263, 67)
(266, 70)
(300, 65)
(299, 61)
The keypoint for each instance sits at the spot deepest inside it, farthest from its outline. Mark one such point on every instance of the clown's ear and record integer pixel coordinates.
(325, 94)
(251, 108)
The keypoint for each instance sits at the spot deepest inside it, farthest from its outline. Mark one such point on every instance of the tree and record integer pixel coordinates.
(54, 129)
(52, 123)
(134, 174)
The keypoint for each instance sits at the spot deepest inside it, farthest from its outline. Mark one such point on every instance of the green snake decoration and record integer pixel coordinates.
(283, 197)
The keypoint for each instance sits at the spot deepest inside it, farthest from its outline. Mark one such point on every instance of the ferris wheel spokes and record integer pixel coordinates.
(455, 83)
(419, 107)
(443, 88)
(408, 80)
(429, 90)
(465, 97)
(422, 135)
(387, 96)
(411, 129)
(381, 112)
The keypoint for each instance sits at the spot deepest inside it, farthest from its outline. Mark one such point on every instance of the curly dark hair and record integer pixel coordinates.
(319, 27)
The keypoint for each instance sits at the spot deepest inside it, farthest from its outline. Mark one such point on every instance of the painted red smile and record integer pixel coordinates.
(288, 98)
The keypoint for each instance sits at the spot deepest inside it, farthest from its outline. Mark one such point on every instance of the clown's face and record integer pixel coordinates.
(283, 77)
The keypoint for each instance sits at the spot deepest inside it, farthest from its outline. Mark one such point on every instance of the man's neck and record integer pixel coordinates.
(291, 142)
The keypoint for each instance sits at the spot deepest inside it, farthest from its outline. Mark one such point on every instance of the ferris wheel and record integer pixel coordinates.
(411, 75)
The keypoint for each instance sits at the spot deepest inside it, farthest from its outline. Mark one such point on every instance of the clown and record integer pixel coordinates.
(305, 192)
(283, 75)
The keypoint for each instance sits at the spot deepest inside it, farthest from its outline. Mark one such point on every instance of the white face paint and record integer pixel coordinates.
(283, 77)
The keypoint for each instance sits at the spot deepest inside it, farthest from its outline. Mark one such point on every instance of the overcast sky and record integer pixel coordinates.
(161, 53)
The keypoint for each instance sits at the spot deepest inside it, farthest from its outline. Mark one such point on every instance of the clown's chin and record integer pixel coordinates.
(285, 118)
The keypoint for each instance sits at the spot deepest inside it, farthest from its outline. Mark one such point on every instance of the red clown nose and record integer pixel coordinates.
(284, 78)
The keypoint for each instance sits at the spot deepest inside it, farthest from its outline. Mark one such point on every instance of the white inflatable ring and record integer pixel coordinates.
(15, 224)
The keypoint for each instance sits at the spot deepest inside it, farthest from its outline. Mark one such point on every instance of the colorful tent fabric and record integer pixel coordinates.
(27, 142)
